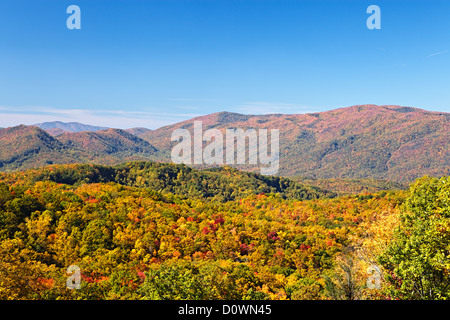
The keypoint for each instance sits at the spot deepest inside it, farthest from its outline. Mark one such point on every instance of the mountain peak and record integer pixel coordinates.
(389, 142)
(382, 108)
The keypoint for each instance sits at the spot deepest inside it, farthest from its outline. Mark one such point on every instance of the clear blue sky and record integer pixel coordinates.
(150, 63)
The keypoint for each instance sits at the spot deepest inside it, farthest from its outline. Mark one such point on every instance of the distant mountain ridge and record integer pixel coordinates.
(29, 146)
(68, 126)
(110, 141)
(56, 128)
(364, 141)
(24, 147)
(393, 143)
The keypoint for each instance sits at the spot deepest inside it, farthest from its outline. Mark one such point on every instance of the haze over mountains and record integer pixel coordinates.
(68, 126)
(56, 128)
(368, 141)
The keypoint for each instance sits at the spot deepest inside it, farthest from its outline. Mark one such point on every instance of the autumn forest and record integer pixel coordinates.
(146, 230)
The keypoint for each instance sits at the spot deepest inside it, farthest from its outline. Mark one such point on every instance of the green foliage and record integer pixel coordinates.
(222, 184)
(418, 259)
(352, 186)
(203, 280)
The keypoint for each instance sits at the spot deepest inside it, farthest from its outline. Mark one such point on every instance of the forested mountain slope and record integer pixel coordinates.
(391, 143)
(367, 141)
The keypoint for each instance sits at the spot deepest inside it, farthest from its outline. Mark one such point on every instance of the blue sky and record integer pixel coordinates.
(155, 62)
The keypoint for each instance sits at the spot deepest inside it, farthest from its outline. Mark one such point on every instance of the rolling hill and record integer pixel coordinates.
(393, 143)
(217, 184)
(366, 141)
(24, 147)
(112, 141)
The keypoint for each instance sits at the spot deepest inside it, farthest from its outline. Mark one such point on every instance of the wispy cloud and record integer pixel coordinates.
(437, 53)
(11, 116)
(28, 115)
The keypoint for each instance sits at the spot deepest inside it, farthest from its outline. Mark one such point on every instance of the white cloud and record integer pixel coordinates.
(28, 115)
(115, 118)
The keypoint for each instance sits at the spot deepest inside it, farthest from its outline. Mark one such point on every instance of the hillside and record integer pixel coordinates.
(55, 131)
(352, 186)
(135, 231)
(390, 143)
(221, 184)
(112, 141)
(136, 243)
(377, 142)
(23, 147)
(137, 131)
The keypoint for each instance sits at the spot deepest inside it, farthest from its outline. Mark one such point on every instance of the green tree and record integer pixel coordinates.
(173, 282)
(417, 260)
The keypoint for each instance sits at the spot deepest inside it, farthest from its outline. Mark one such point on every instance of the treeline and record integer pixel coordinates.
(217, 184)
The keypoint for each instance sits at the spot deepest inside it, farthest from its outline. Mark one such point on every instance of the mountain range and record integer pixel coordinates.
(365, 141)
(63, 127)
(24, 147)
(392, 143)
(56, 128)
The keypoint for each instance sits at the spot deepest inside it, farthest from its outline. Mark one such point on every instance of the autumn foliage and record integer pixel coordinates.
(140, 242)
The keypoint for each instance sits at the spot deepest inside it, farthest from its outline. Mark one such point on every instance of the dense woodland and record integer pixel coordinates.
(143, 230)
